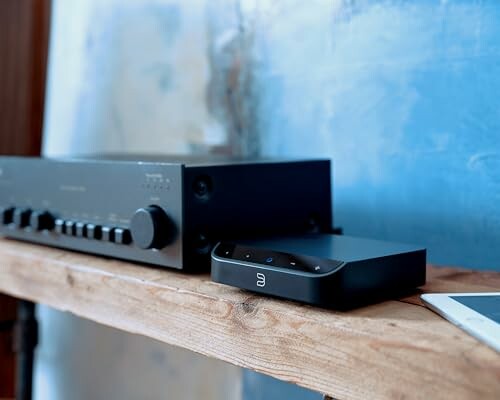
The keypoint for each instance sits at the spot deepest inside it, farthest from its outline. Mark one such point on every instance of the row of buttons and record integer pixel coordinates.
(92, 231)
(44, 220)
(23, 217)
(278, 259)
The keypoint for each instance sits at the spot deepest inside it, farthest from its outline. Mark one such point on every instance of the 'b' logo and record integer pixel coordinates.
(261, 279)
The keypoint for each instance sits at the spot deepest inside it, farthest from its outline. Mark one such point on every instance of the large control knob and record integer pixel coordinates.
(151, 228)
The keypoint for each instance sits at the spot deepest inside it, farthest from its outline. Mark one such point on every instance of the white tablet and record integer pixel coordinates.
(476, 313)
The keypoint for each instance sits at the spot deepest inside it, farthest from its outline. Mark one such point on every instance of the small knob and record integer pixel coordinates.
(151, 228)
(21, 217)
(40, 220)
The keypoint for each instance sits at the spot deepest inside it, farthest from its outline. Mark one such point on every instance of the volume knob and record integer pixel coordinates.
(151, 228)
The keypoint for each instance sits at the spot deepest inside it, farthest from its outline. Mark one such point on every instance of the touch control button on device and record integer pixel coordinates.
(94, 231)
(122, 236)
(21, 217)
(108, 234)
(320, 267)
(40, 220)
(59, 225)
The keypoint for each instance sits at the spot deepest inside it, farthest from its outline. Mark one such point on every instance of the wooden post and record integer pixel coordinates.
(7, 356)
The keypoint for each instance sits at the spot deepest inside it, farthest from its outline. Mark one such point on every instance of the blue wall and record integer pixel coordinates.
(405, 97)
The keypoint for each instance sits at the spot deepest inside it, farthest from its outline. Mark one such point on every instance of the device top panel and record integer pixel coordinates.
(333, 247)
(188, 161)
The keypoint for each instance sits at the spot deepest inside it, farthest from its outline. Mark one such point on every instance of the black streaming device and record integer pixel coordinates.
(164, 210)
(325, 270)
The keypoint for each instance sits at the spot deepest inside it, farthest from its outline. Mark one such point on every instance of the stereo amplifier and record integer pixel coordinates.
(160, 210)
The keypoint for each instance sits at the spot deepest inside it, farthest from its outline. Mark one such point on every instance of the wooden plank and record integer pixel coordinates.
(393, 349)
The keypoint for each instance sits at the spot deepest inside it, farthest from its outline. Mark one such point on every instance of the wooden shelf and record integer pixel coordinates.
(396, 349)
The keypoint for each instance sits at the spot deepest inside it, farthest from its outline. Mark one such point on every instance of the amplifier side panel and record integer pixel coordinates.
(254, 200)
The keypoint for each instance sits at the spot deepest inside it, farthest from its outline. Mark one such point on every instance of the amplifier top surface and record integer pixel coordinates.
(187, 161)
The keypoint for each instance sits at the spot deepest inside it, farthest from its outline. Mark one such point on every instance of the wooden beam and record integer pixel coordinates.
(395, 349)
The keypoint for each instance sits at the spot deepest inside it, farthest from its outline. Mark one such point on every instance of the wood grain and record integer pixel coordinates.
(391, 350)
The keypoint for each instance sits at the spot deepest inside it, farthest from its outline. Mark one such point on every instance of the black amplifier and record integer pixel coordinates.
(160, 210)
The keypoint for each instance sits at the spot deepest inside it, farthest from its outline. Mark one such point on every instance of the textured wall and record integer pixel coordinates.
(403, 95)
(129, 76)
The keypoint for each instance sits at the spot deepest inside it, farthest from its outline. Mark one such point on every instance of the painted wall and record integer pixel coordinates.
(128, 76)
(403, 95)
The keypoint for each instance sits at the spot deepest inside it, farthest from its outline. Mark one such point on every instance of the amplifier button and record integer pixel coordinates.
(108, 234)
(41, 220)
(59, 226)
(122, 236)
(80, 229)
(21, 217)
(93, 231)
(69, 228)
(7, 214)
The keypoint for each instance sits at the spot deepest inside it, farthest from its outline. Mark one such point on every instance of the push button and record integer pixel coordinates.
(225, 250)
(6, 215)
(80, 229)
(323, 267)
(93, 231)
(21, 217)
(108, 234)
(122, 236)
(69, 227)
(40, 220)
(59, 226)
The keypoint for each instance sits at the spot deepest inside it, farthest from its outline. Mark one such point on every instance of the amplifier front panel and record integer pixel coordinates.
(80, 198)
